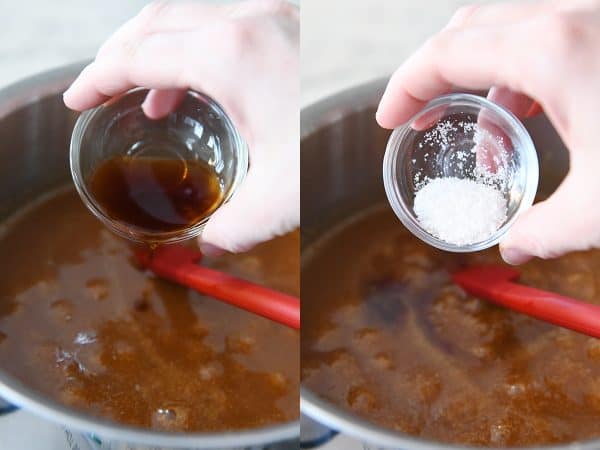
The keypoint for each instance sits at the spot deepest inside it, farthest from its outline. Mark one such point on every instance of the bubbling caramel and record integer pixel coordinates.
(84, 327)
(388, 336)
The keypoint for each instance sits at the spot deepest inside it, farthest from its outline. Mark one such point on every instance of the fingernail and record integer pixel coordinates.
(514, 256)
(381, 121)
(211, 250)
(534, 109)
(67, 92)
(145, 107)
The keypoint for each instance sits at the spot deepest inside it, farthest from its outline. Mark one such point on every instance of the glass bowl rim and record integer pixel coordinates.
(525, 147)
(131, 232)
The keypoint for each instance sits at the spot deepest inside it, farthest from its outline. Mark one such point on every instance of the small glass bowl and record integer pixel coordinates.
(442, 141)
(197, 130)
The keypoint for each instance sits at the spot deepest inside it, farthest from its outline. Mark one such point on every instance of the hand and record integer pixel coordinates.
(244, 55)
(546, 51)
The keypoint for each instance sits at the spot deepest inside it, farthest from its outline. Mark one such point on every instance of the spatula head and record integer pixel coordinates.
(484, 275)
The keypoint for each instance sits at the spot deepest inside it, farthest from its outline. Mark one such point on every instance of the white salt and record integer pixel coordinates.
(460, 211)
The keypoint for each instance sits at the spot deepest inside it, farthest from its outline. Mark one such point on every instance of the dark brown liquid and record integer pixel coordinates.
(80, 324)
(158, 195)
(388, 336)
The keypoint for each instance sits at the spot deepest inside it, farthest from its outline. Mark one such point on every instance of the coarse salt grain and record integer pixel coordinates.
(460, 211)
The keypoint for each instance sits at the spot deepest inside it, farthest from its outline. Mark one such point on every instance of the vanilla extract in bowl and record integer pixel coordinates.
(156, 194)
(156, 181)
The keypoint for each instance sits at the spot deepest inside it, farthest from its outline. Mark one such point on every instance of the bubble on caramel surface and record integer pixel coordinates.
(240, 344)
(383, 360)
(69, 362)
(171, 418)
(63, 309)
(367, 334)
(499, 433)
(515, 389)
(360, 397)
(97, 288)
(85, 337)
(210, 370)
(84, 361)
(278, 380)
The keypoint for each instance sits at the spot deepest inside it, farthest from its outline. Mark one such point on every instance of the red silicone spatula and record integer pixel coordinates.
(179, 264)
(497, 284)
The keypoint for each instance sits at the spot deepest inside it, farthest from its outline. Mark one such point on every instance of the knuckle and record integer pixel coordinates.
(564, 31)
(143, 24)
(232, 244)
(129, 48)
(238, 36)
(154, 9)
(533, 246)
(549, 253)
(437, 42)
(463, 15)
(276, 6)
(126, 40)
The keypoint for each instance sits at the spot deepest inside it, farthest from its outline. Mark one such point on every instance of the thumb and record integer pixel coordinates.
(566, 222)
(519, 104)
(263, 207)
(160, 102)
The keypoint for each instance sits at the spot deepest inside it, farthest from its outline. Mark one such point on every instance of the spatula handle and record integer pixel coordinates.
(252, 297)
(550, 307)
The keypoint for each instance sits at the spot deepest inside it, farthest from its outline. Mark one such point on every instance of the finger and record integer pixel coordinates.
(402, 99)
(519, 104)
(159, 61)
(252, 8)
(443, 62)
(246, 221)
(493, 147)
(124, 70)
(429, 119)
(553, 227)
(160, 17)
(512, 12)
(79, 94)
(159, 103)
(498, 13)
(179, 16)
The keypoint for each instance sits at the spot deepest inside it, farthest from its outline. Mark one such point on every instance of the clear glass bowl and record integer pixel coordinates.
(197, 130)
(455, 136)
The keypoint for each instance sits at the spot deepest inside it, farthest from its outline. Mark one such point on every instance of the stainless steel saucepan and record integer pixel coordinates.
(341, 174)
(35, 130)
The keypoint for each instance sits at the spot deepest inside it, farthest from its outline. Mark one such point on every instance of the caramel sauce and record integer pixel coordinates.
(84, 327)
(388, 336)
